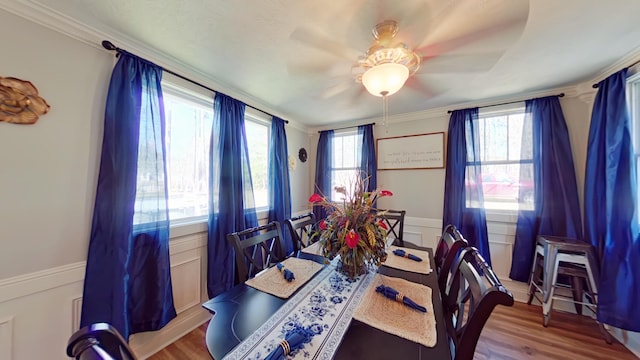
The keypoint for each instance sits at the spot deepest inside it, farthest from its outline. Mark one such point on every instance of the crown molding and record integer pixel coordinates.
(439, 112)
(93, 36)
(624, 62)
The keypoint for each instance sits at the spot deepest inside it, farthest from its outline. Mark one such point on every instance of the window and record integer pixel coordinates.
(346, 162)
(258, 145)
(506, 155)
(188, 124)
(633, 101)
(188, 130)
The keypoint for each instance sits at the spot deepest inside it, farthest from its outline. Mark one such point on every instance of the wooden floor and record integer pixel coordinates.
(510, 333)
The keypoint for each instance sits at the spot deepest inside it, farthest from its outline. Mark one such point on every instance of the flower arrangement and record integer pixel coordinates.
(351, 229)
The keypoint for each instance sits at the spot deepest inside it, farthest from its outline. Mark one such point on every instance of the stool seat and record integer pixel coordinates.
(556, 255)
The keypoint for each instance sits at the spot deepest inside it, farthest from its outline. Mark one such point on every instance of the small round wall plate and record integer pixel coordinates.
(302, 154)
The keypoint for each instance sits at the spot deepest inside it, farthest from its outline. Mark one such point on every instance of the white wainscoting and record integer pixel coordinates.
(501, 232)
(6, 335)
(40, 311)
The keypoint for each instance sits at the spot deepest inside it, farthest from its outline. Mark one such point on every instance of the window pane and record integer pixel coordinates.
(517, 143)
(506, 187)
(258, 146)
(338, 150)
(188, 129)
(349, 151)
(345, 162)
(341, 178)
(495, 144)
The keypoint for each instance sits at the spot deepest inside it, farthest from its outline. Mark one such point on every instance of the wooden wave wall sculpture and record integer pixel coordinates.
(20, 102)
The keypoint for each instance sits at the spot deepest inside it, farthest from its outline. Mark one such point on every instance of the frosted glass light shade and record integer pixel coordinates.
(385, 79)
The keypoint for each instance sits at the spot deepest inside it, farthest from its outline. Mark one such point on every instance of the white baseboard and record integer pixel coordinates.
(144, 345)
(631, 340)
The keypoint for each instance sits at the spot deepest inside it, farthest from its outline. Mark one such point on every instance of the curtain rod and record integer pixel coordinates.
(348, 127)
(596, 85)
(504, 103)
(109, 46)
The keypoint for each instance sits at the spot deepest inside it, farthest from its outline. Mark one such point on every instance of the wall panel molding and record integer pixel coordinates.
(27, 284)
(186, 281)
(6, 338)
(76, 313)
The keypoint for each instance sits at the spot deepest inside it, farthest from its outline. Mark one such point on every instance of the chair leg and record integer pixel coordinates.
(576, 287)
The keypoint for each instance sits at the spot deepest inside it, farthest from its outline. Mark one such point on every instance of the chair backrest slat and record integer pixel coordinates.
(449, 247)
(394, 219)
(256, 249)
(472, 293)
(301, 228)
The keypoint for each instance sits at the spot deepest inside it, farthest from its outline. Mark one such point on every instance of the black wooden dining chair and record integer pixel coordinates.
(301, 228)
(256, 249)
(394, 219)
(449, 246)
(99, 341)
(471, 295)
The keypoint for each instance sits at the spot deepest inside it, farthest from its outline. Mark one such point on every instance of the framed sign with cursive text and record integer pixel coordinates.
(422, 151)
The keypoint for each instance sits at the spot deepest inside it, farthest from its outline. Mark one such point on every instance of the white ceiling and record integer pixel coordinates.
(294, 57)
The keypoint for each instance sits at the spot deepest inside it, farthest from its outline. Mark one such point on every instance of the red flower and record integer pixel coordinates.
(315, 198)
(323, 225)
(386, 193)
(382, 225)
(352, 239)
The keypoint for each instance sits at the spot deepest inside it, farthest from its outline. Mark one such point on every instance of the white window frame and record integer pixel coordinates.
(200, 99)
(356, 167)
(502, 215)
(633, 103)
(176, 87)
(256, 118)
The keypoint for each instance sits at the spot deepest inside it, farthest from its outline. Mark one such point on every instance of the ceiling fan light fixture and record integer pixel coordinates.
(385, 79)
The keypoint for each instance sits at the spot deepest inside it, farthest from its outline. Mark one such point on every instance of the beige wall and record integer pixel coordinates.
(48, 176)
(49, 170)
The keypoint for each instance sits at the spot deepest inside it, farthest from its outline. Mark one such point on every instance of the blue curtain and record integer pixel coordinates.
(127, 281)
(279, 187)
(324, 157)
(463, 157)
(556, 205)
(610, 204)
(231, 201)
(368, 164)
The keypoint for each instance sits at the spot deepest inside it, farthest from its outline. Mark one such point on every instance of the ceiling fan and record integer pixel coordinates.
(463, 37)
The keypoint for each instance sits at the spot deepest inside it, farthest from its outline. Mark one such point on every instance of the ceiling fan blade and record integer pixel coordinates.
(492, 28)
(458, 63)
(320, 41)
(338, 89)
(418, 86)
(309, 69)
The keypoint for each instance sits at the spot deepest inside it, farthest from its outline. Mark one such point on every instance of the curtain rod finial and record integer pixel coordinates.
(108, 45)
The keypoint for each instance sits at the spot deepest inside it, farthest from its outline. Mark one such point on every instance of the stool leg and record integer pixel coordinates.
(576, 287)
(535, 278)
(548, 303)
(592, 281)
(536, 271)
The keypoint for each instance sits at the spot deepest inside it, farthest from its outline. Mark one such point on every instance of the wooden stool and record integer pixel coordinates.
(564, 256)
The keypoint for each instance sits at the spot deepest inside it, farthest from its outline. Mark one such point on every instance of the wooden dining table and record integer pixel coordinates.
(240, 311)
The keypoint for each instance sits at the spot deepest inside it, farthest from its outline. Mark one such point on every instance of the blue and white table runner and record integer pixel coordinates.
(322, 309)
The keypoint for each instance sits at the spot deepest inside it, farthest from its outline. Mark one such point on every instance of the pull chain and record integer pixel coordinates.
(385, 109)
